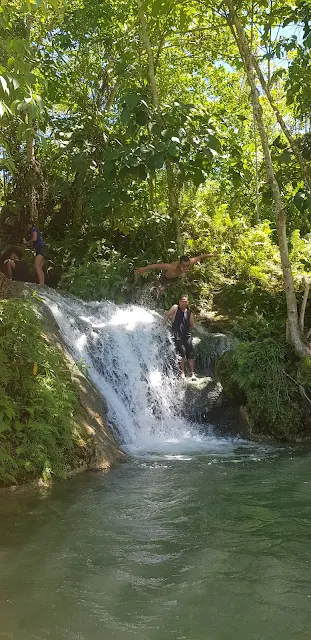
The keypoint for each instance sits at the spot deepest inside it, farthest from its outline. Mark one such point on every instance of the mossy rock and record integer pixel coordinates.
(304, 371)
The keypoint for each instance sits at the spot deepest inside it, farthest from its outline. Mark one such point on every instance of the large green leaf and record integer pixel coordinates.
(214, 143)
(173, 149)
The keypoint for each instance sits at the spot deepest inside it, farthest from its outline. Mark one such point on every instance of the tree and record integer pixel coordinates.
(292, 313)
(23, 26)
(171, 180)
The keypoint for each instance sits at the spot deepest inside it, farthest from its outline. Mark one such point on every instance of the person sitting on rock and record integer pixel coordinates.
(182, 322)
(13, 267)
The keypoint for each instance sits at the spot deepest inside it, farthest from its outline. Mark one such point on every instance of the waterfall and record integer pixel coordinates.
(130, 358)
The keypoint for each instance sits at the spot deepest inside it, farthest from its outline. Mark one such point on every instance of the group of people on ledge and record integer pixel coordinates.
(14, 268)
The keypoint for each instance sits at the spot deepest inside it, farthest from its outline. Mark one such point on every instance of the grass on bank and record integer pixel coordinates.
(38, 432)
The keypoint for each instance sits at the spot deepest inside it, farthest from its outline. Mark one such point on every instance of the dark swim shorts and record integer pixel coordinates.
(43, 251)
(167, 282)
(184, 346)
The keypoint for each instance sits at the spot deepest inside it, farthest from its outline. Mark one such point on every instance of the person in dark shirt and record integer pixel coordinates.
(36, 239)
(182, 323)
(13, 267)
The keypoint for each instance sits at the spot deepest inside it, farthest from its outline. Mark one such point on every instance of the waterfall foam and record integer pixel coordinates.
(130, 358)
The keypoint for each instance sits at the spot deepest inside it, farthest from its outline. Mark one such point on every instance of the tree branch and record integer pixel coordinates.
(111, 96)
(292, 142)
(151, 66)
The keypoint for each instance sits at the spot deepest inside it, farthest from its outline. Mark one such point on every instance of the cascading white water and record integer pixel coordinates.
(130, 358)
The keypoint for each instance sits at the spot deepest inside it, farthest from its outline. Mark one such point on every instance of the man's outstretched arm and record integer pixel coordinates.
(158, 265)
(202, 256)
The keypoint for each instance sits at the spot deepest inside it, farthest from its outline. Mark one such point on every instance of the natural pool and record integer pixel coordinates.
(208, 546)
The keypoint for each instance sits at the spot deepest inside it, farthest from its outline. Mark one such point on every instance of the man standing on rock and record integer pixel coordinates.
(182, 323)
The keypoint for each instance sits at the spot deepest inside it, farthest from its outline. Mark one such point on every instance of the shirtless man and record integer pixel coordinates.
(173, 270)
(182, 322)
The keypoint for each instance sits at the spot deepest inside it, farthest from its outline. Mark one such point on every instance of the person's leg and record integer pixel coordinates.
(190, 355)
(39, 264)
(180, 348)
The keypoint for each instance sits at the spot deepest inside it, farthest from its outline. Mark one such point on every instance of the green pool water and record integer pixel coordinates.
(209, 546)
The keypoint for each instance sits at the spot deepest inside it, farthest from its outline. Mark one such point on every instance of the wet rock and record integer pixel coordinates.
(227, 421)
(202, 395)
(209, 347)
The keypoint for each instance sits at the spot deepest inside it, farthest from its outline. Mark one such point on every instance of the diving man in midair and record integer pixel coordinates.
(171, 271)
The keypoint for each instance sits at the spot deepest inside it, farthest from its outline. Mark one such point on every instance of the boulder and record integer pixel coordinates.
(201, 396)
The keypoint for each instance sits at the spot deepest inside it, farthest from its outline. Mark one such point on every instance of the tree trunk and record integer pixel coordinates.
(30, 147)
(266, 88)
(291, 302)
(151, 191)
(256, 170)
(31, 164)
(77, 198)
(170, 178)
(147, 43)
(111, 97)
(173, 202)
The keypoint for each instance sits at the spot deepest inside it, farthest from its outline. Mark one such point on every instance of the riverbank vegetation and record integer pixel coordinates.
(134, 132)
(40, 435)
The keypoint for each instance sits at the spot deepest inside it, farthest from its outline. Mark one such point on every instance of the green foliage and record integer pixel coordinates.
(300, 254)
(304, 373)
(252, 312)
(101, 279)
(38, 433)
(244, 281)
(225, 371)
(255, 373)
